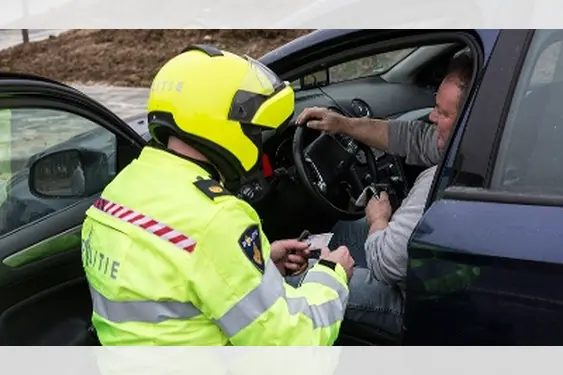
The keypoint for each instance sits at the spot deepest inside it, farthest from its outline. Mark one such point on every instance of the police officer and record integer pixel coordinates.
(172, 258)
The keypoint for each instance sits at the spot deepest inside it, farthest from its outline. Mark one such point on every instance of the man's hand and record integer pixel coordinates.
(285, 262)
(341, 256)
(323, 119)
(378, 212)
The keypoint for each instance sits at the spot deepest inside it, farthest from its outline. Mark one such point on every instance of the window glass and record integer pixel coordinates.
(367, 66)
(28, 133)
(530, 157)
(296, 84)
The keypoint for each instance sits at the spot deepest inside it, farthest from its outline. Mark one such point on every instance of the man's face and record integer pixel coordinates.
(444, 113)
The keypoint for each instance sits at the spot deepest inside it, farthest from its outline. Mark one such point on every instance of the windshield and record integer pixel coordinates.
(385, 61)
(367, 66)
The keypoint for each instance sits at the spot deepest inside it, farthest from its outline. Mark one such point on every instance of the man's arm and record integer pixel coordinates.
(248, 298)
(386, 249)
(371, 132)
(417, 141)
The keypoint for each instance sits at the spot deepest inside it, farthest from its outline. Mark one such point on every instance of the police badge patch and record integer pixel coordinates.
(251, 244)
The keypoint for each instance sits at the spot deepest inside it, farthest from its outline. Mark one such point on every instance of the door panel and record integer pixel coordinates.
(44, 297)
(55, 316)
(514, 300)
(57, 258)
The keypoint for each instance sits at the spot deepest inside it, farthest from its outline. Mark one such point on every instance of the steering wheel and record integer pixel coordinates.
(334, 164)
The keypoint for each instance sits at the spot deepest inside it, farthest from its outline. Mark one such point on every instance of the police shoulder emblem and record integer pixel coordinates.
(250, 242)
(211, 188)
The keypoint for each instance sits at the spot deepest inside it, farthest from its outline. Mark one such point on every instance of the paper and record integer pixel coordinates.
(319, 241)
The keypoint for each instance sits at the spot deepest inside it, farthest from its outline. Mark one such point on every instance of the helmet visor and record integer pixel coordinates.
(260, 79)
(258, 85)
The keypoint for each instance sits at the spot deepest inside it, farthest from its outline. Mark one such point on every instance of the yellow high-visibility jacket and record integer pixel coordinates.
(174, 259)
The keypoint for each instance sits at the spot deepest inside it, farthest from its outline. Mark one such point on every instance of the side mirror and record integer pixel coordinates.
(71, 173)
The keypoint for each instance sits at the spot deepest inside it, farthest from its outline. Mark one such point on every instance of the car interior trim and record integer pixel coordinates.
(483, 195)
(54, 245)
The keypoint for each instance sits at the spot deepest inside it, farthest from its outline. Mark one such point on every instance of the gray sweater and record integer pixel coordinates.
(386, 250)
(415, 140)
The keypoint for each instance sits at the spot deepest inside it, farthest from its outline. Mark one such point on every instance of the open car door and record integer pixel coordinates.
(48, 128)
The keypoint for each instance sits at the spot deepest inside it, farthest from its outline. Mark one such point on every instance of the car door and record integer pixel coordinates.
(44, 299)
(496, 210)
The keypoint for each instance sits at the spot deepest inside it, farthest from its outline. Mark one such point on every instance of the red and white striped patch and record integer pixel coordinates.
(142, 221)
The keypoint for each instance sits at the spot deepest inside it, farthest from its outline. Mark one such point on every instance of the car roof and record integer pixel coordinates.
(29, 77)
(305, 41)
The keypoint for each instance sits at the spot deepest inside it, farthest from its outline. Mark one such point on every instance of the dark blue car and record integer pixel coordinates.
(495, 205)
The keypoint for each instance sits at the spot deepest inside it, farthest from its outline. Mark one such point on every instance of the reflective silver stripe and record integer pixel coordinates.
(141, 311)
(328, 281)
(270, 290)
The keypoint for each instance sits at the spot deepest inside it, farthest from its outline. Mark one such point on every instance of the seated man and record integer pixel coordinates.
(378, 242)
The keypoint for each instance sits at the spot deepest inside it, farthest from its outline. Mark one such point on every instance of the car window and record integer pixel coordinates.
(25, 135)
(372, 65)
(367, 66)
(530, 156)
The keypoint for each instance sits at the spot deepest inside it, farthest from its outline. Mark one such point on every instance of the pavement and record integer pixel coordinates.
(31, 136)
(123, 101)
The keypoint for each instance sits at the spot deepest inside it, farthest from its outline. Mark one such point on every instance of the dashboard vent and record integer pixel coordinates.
(307, 97)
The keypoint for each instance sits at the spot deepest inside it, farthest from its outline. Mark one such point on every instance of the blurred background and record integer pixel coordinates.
(120, 57)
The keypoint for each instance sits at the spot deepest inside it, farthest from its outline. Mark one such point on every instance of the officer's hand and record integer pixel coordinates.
(323, 119)
(286, 262)
(341, 256)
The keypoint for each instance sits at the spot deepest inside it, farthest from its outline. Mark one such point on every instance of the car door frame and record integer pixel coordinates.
(314, 51)
(462, 177)
(303, 55)
(20, 91)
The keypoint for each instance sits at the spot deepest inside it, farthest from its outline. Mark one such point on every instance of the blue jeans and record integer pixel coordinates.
(371, 302)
